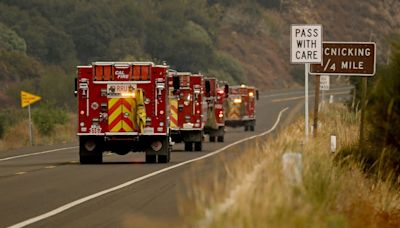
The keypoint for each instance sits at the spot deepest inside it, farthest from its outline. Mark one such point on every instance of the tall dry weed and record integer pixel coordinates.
(254, 192)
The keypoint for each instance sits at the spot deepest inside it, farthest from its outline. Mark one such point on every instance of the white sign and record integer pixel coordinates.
(324, 82)
(305, 44)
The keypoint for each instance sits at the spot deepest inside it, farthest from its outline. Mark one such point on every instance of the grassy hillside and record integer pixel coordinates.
(239, 41)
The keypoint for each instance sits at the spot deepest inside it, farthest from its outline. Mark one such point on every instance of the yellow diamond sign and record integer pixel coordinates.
(28, 98)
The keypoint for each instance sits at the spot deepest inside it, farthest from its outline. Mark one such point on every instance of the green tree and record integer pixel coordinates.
(10, 41)
(384, 114)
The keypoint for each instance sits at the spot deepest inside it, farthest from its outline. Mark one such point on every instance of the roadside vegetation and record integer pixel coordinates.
(357, 186)
(50, 126)
(332, 191)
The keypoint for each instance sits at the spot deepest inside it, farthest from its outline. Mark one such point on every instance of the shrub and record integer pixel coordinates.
(384, 111)
(46, 117)
(9, 117)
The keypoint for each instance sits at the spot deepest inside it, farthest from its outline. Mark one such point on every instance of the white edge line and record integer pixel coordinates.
(126, 184)
(37, 153)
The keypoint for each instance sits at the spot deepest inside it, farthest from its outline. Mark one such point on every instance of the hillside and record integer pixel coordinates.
(42, 41)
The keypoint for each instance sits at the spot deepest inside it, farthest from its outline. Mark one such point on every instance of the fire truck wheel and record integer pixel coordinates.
(95, 158)
(251, 127)
(246, 128)
(90, 152)
(151, 158)
(220, 138)
(212, 138)
(163, 158)
(188, 146)
(198, 146)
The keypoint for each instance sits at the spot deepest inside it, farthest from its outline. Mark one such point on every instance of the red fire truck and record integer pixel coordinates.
(215, 95)
(123, 107)
(186, 112)
(241, 107)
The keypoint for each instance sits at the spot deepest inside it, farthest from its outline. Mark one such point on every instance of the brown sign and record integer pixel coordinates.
(347, 58)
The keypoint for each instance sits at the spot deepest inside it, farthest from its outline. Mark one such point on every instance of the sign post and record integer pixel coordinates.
(349, 58)
(306, 48)
(26, 100)
(316, 104)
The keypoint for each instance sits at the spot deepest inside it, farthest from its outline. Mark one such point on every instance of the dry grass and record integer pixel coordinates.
(256, 193)
(17, 136)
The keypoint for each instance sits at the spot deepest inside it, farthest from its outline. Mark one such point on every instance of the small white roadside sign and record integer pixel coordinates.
(305, 44)
(324, 83)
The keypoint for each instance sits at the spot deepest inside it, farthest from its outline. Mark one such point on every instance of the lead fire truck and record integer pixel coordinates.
(123, 107)
(241, 107)
(186, 109)
(215, 94)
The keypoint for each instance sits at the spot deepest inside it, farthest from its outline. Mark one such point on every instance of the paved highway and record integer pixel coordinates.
(47, 187)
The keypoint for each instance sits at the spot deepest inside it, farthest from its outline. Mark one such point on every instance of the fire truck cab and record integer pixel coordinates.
(185, 100)
(123, 107)
(241, 107)
(215, 94)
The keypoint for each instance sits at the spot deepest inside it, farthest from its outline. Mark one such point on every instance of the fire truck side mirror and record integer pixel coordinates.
(76, 87)
(226, 90)
(176, 83)
(208, 87)
(257, 95)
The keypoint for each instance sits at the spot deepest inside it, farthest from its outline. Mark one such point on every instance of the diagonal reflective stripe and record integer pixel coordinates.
(113, 104)
(116, 124)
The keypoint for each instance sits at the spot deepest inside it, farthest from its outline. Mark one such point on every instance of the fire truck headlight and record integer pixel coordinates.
(237, 100)
(82, 124)
(251, 94)
(130, 95)
(161, 124)
(221, 114)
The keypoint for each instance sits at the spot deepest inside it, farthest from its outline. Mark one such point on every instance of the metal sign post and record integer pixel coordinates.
(306, 100)
(30, 126)
(26, 100)
(306, 48)
(316, 104)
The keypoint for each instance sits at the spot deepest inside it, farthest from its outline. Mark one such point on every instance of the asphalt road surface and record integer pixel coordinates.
(47, 187)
